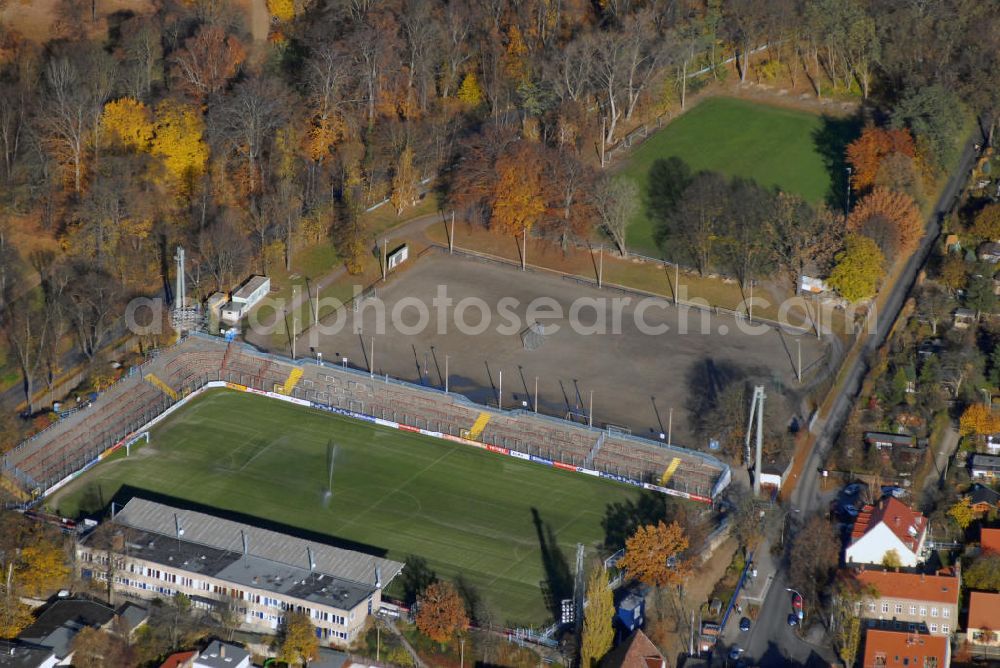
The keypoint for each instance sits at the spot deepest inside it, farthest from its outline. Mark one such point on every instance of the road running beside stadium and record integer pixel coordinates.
(504, 528)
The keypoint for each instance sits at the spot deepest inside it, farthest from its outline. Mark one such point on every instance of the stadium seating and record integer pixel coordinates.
(181, 369)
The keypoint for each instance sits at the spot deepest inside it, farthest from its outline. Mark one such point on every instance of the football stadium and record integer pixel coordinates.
(496, 499)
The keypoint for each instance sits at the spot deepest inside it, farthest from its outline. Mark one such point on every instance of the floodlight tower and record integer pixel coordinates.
(179, 288)
(756, 411)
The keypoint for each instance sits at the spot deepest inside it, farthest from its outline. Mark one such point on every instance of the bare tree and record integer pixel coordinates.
(26, 326)
(94, 305)
(611, 56)
(616, 201)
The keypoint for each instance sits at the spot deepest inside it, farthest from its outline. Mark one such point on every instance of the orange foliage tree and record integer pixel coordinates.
(441, 612)
(652, 554)
(207, 61)
(518, 195)
(865, 154)
(890, 218)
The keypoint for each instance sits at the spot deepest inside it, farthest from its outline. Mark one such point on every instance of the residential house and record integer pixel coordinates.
(889, 526)
(883, 440)
(963, 318)
(17, 654)
(180, 660)
(989, 252)
(984, 467)
(889, 649)
(637, 651)
(983, 627)
(60, 623)
(258, 573)
(222, 655)
(983, 499)
(989, 540)
(908, 601)
(993, 444)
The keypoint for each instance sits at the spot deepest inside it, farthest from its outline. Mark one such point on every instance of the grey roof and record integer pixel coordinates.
(329, 658)
(248, 287)
(59, 624)
(212, 656)
(133, 615)
(983, 494)
(274, 561)
(18, 654)
(989, 462)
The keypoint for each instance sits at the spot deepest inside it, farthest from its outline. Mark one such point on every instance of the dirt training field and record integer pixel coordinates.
(637, 370)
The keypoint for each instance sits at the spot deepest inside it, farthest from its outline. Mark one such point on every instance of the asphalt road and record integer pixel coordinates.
(772, 642)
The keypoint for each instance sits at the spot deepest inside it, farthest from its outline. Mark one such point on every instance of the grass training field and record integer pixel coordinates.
(469, 513)
(773, 146)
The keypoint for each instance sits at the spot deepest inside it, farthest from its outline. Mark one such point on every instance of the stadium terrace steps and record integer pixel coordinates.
(478, 426)
(291, 381)
(13, 489)
(160, 385)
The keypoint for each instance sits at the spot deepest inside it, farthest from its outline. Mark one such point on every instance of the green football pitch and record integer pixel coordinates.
(501, 525)
(771, 145)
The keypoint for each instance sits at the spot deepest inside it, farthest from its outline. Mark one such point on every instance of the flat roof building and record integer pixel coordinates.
(260, 573)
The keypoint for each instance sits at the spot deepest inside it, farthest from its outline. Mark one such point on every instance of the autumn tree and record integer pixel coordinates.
(653, 554)
(802, 237)
(986, 224)
(41, 566)
(598, 632)
(405, 182)
(283, 10)
(697, 221)
(299, 644)
(571, 202)
(962, 513)
(177, 140)
(97, 648)
(891, 559)
(129, 122)
(984, 573)
(25, 324)
(815, 554)
(616, 201)
(953, 272)
(208, 60)
(866, 153)
(441, 612)
(892, 219)
(857, 269)
(518, 200)
(846, 622)
(977, 420)
(469, 93)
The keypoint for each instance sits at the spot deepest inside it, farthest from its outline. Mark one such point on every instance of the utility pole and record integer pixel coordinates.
(295, 330)
(500, 392)
(670, 426)
(536, 394)
(371, 360)
(451, 237)
(600, 268)
(446, 373)
(677, 281)
(750, 305)
(524, 249)
(590, 411)
(604, 122)
(798, 347)
(385, 259)
(756, 411)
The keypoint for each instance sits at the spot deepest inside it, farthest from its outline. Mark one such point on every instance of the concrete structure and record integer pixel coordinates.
(637, 651)
(222, 655)
(983, 627)
(245, 298)
(889, 526)
(913, 602)
(260, 573)
(889, 649)
(984, 467)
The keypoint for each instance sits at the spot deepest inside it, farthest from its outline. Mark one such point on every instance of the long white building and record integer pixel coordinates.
(159, 550)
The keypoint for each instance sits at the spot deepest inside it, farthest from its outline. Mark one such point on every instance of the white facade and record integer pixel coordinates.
(246, 297)
(872, 547)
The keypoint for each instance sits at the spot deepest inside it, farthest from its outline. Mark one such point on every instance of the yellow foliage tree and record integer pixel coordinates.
(518, 199)
(14, 616)
(42, 568)
(652, 554)
(129, 121)
(470, 92)
(963, 513)
(283, 10)
(598, 632)
(178, 141)
(404, 182)
(978, 420)
(299, 644)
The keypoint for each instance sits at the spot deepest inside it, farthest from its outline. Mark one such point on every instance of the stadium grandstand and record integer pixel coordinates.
(40, 464)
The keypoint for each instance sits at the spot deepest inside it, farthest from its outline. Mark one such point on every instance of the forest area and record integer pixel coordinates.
(126, 135)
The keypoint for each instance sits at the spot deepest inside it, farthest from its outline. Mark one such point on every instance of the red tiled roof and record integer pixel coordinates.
(637, 651)
(175, 660)
(984, 611)
(989, 540)
(940, 588)
(895, 646)
(894, 514)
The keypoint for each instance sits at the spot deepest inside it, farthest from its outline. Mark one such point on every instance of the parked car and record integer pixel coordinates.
(735, 652)
(744, 625)
(792, 619)
(891, 490)
(796, 601)
(853, 488)
(850, 510)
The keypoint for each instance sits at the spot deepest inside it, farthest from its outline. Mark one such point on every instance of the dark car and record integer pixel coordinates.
(793, 620)
(744, 624)
(735, 652)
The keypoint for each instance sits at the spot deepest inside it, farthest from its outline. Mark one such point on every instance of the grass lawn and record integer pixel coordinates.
(469, 513)
(774, 146)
